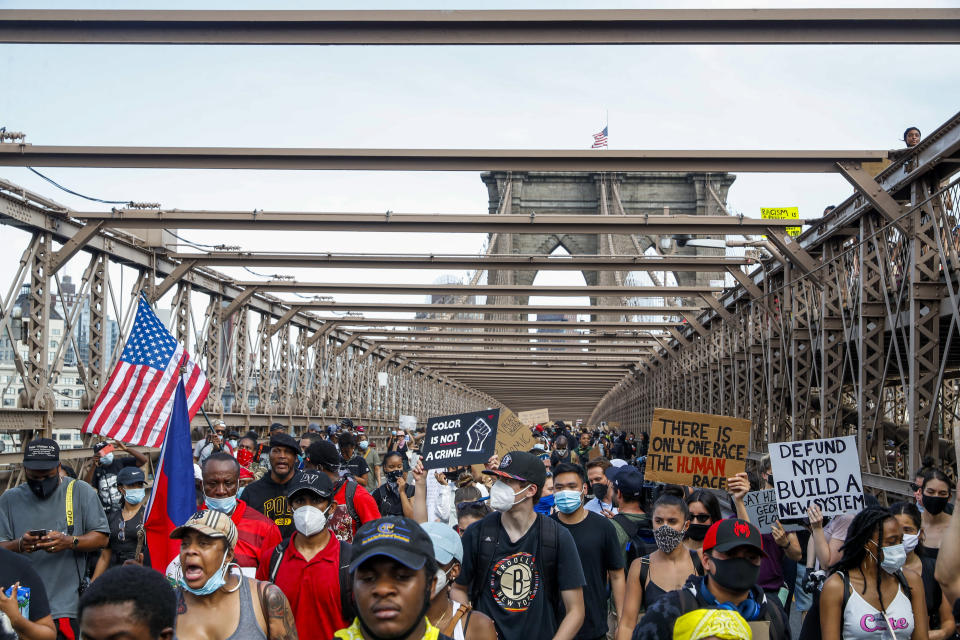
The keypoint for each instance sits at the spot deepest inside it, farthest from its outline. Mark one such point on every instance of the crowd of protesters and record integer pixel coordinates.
(326, 536)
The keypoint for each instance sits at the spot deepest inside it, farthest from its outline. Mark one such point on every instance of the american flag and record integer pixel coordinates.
(600, 139)
(135, 405)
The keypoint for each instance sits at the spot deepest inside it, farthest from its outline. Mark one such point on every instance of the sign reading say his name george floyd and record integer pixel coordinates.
(696, 449)
(463, 439)
(823, 472)
(762, 509)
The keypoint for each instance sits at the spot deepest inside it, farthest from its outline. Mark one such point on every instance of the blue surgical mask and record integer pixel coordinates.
(568, 501)
(544, 505)
(894, 557)
(223, 505)
(364, 444)
(300, 459)
(134, 496)
(107, 459)
(213, 583)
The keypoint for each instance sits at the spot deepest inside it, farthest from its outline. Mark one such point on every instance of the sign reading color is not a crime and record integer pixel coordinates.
(696, 449)
(823, 472)
(460, 440)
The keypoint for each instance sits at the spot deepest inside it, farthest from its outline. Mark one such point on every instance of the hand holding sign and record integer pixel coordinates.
(738, 486)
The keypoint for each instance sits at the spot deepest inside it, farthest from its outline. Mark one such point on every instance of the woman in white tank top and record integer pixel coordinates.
(868, 597)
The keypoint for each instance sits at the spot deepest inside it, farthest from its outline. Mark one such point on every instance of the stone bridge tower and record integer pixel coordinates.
(584, 193)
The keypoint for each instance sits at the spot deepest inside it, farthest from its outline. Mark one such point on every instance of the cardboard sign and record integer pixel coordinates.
(459, 440)
(535, 417)
(512, 435)
(696, 449)
(408, 423)
(762, 509)
(823, 472)
(782, 213)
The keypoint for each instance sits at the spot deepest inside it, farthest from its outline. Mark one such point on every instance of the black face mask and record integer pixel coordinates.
(44, 488)
(934, 505)
(393, 476)
(599, 491)
(735, 574)
(697, 531)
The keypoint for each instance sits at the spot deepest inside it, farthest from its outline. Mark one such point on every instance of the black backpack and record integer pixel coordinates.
(348, 495)
(776, 616)
(346, 586)
(485, 552)
(640, 541)
(811, 623)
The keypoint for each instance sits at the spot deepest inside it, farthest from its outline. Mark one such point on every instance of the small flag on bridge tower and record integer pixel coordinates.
(600, 140)
(136, 403)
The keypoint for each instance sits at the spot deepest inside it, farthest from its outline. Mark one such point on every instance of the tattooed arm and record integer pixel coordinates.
(278, 615)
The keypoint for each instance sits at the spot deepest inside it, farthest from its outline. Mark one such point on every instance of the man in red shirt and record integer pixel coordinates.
(355, 505)
(256, 532)
(307, 567)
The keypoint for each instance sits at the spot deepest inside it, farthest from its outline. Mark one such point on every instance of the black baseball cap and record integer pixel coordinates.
(310, 480)
(401, 539)
(42, 454)
(276, 426)
(284, 440)
(522, 466)
(324, 453)
(725, 535)
(97, 448)
(626, 479)
(130, 475)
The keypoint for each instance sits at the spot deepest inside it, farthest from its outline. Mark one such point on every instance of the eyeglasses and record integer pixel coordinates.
(702, 518)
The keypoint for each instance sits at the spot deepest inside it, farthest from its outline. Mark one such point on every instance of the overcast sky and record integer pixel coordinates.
(669, 97)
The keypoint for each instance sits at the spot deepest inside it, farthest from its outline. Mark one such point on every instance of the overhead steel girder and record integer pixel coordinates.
(628, 353)
(285, 286)
(361, 324)
(493, 342)
(593, 310)
(740, 161)
(605, 337)
(434, 222)
(578, 27)
(516, 262)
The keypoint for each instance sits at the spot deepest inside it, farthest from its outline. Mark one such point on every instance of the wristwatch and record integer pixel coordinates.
(76, 542)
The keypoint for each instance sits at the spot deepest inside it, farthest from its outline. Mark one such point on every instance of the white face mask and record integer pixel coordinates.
(502, 497)
(441, 582)
(910, 541)
(309, 520)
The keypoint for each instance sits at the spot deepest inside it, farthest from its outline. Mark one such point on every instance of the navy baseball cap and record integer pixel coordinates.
(401, 539)
(626, 479)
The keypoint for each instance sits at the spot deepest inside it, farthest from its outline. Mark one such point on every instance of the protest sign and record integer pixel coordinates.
(459, 440)
(782, 213)
(512, 435)
(696, 449)
(535, 417)
(408, 422)
(762, 509)
(823, 472)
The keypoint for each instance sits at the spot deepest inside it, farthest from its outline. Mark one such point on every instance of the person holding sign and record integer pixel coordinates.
(869, 596)
(731, 555)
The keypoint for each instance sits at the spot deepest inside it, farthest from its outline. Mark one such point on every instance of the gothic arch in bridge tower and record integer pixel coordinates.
(586, 193)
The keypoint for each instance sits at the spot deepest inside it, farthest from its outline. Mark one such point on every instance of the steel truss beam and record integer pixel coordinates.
(434, 222)
(366, 323)
(740, 161)
(516, 262)
(650, 26)
(283, 286)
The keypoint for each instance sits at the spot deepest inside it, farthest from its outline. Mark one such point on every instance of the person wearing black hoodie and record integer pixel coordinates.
(268, 495)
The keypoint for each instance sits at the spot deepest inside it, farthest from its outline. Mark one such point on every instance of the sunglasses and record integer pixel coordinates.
(914, 486)
(702, 518)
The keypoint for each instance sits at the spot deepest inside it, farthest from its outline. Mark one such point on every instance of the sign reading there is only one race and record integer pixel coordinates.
(822, 472)
(696, 449)
(459, 440)
(762, 509)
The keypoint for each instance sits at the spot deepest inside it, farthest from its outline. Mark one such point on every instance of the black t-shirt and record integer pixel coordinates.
(515, 595)
(16, 568)
(356, 465)
(599, 550)
(123, 538)
(388, 499)
(105, 482)
(270, 499)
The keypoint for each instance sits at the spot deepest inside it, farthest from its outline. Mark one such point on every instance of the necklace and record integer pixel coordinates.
(447, 609)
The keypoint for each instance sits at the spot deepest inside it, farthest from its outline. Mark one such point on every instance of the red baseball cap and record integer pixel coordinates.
(731, 533)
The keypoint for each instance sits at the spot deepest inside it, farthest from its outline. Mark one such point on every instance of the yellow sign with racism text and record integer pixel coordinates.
(782, 213)
(696, 449)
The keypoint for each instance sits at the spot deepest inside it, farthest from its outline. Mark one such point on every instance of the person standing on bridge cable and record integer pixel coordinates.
(268, 495)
